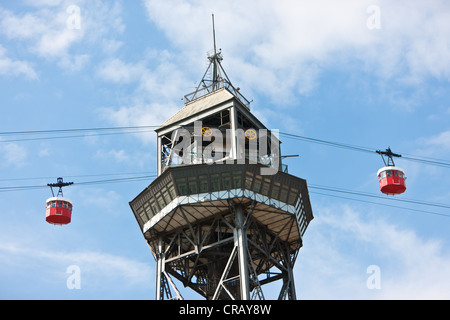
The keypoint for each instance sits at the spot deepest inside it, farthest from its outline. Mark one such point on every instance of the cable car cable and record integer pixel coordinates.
(115, 180)
(383, 204)
(76, 136)
(436, 162)
(118, 180)
(330, 143)
(325, 188)
(82, 176)
(73, 130)
(425, 160)
(310, 186)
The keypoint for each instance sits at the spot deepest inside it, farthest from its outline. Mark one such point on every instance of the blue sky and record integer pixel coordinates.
(367, 73)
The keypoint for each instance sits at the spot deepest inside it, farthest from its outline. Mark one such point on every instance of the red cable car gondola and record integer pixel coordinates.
(59, 209)
(391, 178)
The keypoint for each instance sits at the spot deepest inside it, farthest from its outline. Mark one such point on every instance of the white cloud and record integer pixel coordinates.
(282, 47)
(12, 154)
(111, 46)
(96, 267)
(39, 3)
(139, 113)
(115, 70)
(117, 155)
(9, 66)
(74, 62)
(46, 32)
(341, 243)
(440, 141)
(159, 81)
(432, 148)
(278, 49)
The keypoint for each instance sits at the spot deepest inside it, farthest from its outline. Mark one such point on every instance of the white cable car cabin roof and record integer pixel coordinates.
(59, 199)
(390, 168)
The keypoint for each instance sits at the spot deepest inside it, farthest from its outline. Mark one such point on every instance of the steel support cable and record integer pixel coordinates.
(310, 186)
(8, 133)
(117, 180)
(330, 143)
(139, 129)
(431, 161)
(89, 133)
(364, 194)
(382, 204)
(83, 176)
(26, 188)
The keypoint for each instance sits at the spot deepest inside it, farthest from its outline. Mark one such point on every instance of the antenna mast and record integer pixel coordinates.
(215, 60)
(215, 76)
(214, 34)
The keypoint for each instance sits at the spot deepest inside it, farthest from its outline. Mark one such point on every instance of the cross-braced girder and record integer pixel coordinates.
(230, 256)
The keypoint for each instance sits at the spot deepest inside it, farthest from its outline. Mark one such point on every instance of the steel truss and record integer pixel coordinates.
(229, 256)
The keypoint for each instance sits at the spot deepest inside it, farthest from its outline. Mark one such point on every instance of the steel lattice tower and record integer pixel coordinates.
(223, 216)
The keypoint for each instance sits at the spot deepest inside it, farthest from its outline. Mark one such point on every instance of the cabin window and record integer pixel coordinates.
(153, 206)
(160, 200)
(171, 190)
(226, 180)
(192, 185)
(237, 181)
(141, 215)
(166, 195)
(284, 193)
(182, 187)
(147, 213)
(265, 187)
(203, 182)
(215, 183)
(257, 183)
(293, 196)
(248, 180)
(275, 190)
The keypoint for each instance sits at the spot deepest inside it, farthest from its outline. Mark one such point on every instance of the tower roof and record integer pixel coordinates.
(199, 105)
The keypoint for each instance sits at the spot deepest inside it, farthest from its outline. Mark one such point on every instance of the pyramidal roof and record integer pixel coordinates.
(203, 103)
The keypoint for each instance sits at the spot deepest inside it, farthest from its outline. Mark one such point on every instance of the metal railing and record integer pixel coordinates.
(214, 87)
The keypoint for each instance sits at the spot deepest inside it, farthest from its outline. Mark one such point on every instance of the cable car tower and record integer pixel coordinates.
(224, 217)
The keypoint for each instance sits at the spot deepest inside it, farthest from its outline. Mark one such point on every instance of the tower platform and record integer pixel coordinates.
(191, 217)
